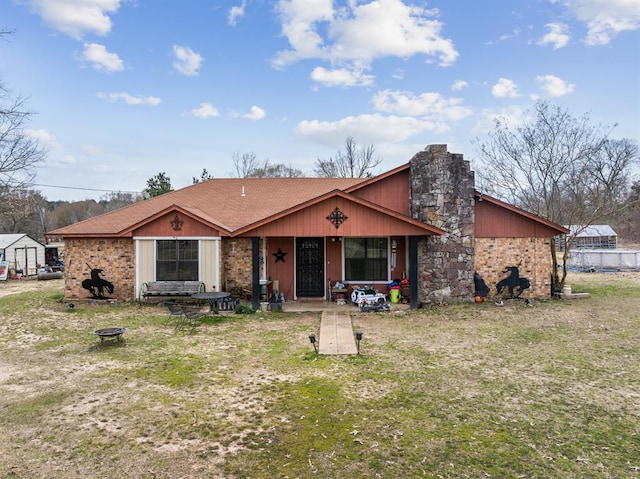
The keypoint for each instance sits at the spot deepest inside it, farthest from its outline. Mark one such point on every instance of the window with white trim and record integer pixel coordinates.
(177, 260)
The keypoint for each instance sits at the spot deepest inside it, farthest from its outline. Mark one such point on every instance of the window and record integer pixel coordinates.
(365, 259)
(177, 260)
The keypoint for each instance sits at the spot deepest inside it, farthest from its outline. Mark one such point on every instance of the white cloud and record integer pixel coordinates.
(398, 74)
(513, 116)
(129, 99)
(605, 18)
(554, 86)
(357, 34)
(505, 88)
(374, 128)
(186, 60)
(300, 19)
(255, 114)
(425, 105)
(459, 85)
(516, 32)
(68, 160)
(205, 110)
(45, 138)
(92, 150)
(101, 58)
(235, 13)
(557, 35)
(340, 77)
(76, 17)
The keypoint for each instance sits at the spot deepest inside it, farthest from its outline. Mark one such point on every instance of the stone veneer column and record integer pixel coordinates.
(442, 195)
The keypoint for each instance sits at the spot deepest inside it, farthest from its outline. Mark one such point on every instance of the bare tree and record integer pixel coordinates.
(248, 166)
(20, 154)
(354, 162)
(67, 213)
(627, 226)
(244, 163)
(274, 170)
(23, 211)
(559, 167)
(117, 199)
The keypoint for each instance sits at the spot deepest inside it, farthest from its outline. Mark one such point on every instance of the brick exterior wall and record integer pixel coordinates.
(531, 255)
(236, 254)
(116, 257)
(442, 195)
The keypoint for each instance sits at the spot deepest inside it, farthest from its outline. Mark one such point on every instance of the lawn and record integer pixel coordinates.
(467, 390)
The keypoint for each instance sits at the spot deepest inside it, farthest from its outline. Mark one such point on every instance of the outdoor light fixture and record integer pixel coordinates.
(312, 338)
(358, 339)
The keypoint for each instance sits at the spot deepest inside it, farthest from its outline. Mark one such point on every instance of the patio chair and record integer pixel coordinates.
(176, 310)
(190, 319)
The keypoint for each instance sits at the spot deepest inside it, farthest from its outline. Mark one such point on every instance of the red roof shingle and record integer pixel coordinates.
(231, 203)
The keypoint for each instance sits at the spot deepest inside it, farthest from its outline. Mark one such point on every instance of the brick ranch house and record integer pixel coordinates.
(423, 221)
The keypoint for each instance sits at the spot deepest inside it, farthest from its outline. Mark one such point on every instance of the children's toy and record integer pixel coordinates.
(374, 307)
(367, 296)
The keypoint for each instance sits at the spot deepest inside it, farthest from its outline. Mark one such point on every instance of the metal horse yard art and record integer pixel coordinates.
(514, 283)
(97, 285)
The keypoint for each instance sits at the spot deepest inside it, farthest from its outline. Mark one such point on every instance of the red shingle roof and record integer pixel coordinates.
(231, 203)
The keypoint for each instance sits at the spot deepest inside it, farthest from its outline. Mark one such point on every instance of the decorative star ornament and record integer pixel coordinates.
(279, 255)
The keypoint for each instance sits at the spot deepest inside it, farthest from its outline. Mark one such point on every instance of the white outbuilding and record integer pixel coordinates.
(23, 254)
(595, 237)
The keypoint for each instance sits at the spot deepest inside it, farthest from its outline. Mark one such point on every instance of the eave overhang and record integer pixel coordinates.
(538, 219)
(378, 178)
(193, 213)
(427, 229)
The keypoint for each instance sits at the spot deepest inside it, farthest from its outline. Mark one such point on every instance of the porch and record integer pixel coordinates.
(312, 305)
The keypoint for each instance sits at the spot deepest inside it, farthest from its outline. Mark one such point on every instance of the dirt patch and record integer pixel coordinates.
(245, 396)
(15, 286)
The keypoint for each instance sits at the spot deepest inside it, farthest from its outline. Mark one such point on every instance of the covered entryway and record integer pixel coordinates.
(310, 267)
(315, 245)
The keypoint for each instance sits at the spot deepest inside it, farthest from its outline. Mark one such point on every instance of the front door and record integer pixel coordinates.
(310, 267)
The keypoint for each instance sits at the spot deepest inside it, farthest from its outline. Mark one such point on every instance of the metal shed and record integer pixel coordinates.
(22, 252)
(594, 237)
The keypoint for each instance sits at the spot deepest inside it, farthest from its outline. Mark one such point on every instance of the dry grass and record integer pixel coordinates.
(469, 390)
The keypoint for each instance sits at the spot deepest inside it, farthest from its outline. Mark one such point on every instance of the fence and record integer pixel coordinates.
(603, 260)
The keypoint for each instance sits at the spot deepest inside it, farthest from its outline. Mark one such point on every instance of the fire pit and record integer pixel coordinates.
(107, 333)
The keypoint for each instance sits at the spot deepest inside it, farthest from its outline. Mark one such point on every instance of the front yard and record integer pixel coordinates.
(456, 391)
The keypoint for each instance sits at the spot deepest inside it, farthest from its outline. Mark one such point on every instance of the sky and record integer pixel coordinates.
(123, 90)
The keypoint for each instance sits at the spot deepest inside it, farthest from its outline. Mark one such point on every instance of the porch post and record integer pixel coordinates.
(255, 273)
(413, 271)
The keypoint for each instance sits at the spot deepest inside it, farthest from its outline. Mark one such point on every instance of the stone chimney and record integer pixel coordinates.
(442, 195)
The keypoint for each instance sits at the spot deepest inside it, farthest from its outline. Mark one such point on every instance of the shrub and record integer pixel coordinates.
(242, 309)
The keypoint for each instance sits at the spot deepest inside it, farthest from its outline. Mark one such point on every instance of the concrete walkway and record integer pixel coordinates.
(336, 333)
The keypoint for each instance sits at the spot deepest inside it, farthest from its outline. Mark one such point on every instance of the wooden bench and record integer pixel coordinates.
(161, 289)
